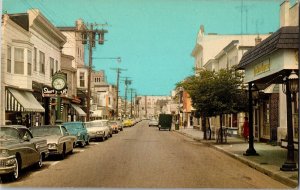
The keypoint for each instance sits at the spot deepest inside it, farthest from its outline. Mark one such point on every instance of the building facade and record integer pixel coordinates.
(31, 54)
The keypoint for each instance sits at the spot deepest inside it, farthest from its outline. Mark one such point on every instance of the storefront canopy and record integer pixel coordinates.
(21, 101)
(78, 110)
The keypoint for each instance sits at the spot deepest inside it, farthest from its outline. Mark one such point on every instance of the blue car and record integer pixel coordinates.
(78, 129)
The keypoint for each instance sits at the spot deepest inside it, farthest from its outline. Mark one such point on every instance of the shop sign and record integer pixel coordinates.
(262, 67)
(50, 92)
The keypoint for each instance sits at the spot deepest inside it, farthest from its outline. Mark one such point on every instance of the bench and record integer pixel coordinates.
(284, 144)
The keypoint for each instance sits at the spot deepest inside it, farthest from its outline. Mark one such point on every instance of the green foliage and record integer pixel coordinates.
(215, 93)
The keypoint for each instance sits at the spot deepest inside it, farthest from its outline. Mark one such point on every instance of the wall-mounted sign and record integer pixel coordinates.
(50, 92)
(262, 67)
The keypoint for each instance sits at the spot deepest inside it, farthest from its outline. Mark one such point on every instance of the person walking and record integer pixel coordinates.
(246, 129)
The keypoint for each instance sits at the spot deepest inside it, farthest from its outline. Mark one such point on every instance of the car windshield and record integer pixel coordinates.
(95, 124)
(113, 123)
(70, 126)
(9, 133)
(45, 131)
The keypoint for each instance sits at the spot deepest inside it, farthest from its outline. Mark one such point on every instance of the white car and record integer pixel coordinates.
(106, 123)
(97, 130)
(153, 122)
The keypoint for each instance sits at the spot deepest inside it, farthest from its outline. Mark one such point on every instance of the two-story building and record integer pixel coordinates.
(31, 54)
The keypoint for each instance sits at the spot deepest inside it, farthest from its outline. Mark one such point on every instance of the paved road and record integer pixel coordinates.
(145, 157)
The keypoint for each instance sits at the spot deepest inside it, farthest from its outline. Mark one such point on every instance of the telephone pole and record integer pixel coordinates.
(131, 102)
(127, 82)
(90, 36)
(118, 78)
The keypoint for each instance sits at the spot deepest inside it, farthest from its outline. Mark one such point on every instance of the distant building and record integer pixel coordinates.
(152, 106)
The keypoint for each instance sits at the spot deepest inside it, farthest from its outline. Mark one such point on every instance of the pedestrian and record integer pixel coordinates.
(246, 129)
(185, 124)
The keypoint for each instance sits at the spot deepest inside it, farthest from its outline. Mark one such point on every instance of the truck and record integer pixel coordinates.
(165, 121)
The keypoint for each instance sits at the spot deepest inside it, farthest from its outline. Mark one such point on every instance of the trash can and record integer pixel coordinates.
(176, 126)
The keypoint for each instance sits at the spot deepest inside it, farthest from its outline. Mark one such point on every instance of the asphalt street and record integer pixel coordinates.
(144, 157)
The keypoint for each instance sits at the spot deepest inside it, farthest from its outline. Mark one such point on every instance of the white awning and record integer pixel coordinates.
(23, 101)
(78, 110)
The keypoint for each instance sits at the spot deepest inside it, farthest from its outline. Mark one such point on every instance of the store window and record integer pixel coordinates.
(19, 61)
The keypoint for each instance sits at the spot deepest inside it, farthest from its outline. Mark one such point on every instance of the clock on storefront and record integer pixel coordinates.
(59, 82)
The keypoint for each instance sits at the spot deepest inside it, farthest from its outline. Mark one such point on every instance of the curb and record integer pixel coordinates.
(275, 176)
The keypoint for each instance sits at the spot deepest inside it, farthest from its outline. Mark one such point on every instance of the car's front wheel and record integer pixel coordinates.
(15, 174)
(39, 164)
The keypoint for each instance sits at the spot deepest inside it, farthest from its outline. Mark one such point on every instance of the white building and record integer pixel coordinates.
(31, 54)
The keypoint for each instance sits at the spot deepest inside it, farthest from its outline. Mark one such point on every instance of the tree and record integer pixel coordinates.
(216, 93)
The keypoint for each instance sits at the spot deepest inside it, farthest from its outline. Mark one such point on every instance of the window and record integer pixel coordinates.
(81, 79)
(51, 66)
(19, 61)
(34, 59)
(8, 59)
(42, 62)
(56, 66)
(29, 62)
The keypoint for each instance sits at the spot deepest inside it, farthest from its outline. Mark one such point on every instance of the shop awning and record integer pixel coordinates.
(22, 101)
(78, 110)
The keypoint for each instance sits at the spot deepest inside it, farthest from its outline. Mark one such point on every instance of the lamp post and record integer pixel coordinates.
(290, 87)
(253, 94)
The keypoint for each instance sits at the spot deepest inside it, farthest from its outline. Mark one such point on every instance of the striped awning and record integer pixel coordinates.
(21, 101)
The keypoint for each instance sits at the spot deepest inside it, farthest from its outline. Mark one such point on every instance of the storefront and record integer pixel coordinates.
(22, 108)
(268, 67)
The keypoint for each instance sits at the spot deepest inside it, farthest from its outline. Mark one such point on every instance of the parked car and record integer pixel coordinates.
(19, 149)
(78, 129)
(106, 124)
(96, 130)
(127, 123)
(120, 125)
(153, 122)
(59, 140)
(114, 125)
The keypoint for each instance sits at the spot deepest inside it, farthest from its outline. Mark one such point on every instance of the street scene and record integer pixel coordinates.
(144, 157)
(149, 94)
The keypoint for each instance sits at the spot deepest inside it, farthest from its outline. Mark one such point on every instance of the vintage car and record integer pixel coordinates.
(127, 123)
(18, 150)
(106, 124)
(153, 122)
(79, 130)
(114, 125)
(60, 142)
(96, 130)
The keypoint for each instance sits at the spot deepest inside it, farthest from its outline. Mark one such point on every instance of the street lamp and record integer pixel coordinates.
(253, 95)
(290, 86)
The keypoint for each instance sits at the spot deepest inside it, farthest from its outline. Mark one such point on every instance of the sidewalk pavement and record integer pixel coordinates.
(269, 161)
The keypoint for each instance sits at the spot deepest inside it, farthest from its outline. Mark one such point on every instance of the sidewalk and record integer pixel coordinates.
(269, 161)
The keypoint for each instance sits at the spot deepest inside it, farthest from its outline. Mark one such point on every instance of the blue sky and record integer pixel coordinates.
(155, 38)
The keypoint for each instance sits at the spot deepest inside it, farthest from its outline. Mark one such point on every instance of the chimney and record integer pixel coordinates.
(284, 13)
(257, 40)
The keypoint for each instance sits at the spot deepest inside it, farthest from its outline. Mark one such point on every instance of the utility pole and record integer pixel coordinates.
(127, 82)
(91, 35)
(131, 103)
(146, 106)
(118, 78)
